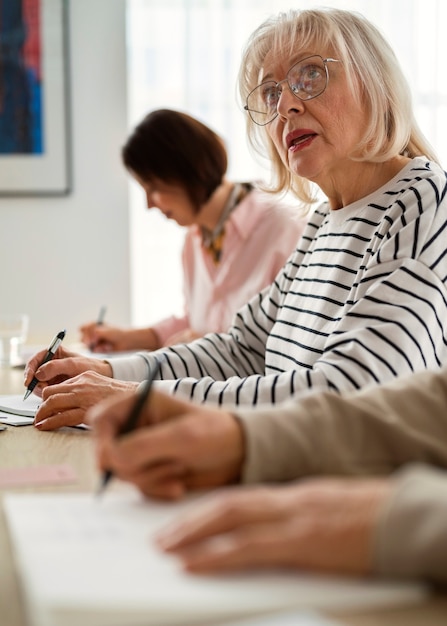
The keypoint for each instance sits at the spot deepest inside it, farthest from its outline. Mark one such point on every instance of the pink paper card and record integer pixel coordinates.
(37, 475)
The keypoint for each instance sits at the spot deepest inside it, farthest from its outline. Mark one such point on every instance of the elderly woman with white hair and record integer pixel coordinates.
(363, 299)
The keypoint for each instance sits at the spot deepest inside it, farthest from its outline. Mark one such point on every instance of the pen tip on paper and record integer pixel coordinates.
(27, 394)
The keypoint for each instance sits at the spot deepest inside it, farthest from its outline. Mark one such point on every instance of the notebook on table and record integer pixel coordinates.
(91, 561)
(16, 411)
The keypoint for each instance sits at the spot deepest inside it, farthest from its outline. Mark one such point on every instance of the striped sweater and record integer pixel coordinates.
(363, 299)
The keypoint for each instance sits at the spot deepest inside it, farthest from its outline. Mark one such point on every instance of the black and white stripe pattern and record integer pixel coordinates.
(362, 299)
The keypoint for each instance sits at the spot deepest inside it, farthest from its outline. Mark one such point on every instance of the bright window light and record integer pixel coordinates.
(185, 54)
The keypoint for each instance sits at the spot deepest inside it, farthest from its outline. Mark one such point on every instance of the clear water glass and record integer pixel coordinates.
(13, 334)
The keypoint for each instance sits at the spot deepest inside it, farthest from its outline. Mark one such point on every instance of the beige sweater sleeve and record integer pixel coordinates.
(372, 431)
(411, 536)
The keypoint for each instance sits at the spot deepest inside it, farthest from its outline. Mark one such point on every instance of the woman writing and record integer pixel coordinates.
(363, 298)
(237, 237)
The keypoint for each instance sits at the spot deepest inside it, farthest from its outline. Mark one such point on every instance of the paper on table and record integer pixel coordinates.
(18, 406)
(107, 355)
(91, 562)
(16, 411)
(15, 420)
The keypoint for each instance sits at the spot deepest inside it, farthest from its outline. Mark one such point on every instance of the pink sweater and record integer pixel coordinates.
(261, 233)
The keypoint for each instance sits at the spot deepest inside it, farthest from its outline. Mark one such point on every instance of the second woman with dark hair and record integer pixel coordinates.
(237, 239)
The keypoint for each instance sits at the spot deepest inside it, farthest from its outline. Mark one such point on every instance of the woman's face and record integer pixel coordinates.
(314, 138)
(172, 200)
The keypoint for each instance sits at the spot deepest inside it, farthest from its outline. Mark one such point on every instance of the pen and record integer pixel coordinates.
(101, 315)
(49, 355)
(133, 417)
(99, 322)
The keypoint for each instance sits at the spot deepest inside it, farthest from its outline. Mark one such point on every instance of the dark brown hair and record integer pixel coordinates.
(176, 148)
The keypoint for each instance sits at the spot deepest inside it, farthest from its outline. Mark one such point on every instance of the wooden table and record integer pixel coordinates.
(25, 446)
(22, 446)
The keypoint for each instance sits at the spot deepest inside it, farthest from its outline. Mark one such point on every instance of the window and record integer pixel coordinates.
(184, 54)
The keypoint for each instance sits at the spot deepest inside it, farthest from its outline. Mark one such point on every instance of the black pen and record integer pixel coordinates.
(134, 415)
(101, 316)
(49, 355)
(99, 322)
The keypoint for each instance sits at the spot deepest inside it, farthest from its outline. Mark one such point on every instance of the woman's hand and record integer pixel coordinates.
(104, 338)
(64, 365)
(177, 446)
(66, 404)
(107, 339)
(319, 524)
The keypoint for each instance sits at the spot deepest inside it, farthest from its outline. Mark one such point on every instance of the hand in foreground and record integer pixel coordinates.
(177, 445)
(104, 338)
(63, 366)
(66, 404)
(320, 524)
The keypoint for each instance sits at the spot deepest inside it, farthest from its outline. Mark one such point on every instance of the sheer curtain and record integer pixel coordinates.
(184, 54)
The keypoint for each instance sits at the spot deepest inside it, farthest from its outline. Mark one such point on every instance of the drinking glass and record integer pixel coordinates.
(13, 333)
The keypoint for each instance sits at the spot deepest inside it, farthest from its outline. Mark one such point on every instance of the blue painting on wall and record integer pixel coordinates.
(21, 119)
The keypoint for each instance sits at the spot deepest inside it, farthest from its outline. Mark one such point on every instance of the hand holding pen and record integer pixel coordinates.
(49, 355)
(133, 417)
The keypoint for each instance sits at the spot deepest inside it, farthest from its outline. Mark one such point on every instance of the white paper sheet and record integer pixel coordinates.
(15, 420)
(91, 561)
(16, 411)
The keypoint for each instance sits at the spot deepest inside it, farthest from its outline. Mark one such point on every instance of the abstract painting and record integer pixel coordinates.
(34, 125)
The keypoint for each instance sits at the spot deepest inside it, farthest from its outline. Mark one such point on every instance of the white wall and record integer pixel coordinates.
(62, 258)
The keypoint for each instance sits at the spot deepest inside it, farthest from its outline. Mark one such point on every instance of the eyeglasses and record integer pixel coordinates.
(306, 79)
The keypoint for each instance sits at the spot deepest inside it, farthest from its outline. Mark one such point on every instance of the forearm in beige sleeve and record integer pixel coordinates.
(411, 536)
(375, 431)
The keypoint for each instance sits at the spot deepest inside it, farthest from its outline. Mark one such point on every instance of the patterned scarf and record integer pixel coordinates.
(213, 240)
